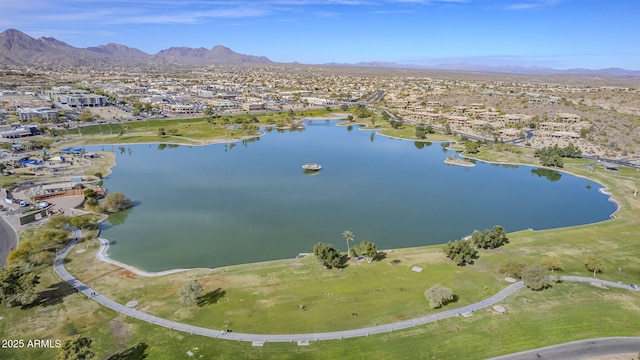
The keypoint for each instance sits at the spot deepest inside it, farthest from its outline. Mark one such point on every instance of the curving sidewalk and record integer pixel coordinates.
(334, 335)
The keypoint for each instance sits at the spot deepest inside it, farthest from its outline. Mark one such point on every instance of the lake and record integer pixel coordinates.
(250, 201)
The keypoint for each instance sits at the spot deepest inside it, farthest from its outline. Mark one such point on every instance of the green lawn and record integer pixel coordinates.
(533, 319)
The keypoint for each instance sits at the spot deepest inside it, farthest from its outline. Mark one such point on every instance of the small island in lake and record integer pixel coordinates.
(312, 166)
(452, 160)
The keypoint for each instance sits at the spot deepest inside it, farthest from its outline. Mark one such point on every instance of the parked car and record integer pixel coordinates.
(42, 204)
(23, 203)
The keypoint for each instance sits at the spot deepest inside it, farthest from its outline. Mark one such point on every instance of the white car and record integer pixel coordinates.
(42, 204)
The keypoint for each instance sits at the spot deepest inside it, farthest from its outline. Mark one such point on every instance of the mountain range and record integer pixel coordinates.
(18, 48)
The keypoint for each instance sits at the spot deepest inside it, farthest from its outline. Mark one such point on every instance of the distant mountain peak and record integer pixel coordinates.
(221, 47)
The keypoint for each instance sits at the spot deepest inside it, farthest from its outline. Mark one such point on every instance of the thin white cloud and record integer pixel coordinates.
(431, 2)
(522, 6)
(326, 14)
(386, 12)
(139, 14)
(533, 4)
(118, 12)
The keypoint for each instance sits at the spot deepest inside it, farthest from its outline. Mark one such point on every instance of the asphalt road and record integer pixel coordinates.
(8, 240)
(580, 350)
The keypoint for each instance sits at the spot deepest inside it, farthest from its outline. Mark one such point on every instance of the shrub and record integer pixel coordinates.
(438, 296)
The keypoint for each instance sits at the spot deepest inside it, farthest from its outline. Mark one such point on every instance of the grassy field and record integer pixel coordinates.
(266, 297)
(187, 131)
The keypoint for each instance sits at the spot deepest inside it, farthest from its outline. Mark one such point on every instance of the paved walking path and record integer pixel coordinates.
(334, 335)
(8, 240)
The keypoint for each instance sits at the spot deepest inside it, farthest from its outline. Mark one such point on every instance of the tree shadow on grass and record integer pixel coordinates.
(452, 301)
(53, 295)
(381, 255)
(135, 353)
(343, 262)
(211, 297)
(446, 302)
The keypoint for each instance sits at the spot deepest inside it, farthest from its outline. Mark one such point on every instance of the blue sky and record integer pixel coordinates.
(551, 33)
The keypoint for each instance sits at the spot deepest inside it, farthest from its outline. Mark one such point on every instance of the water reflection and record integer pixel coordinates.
(311, 172)
(163, 146)
(120, 217)
(422, 144)
(551, 175)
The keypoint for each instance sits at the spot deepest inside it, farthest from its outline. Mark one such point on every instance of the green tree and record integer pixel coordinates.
(438, 296)
(534, 276)
(594, 263)
(471, 147)
(89, 193)
(551, 263)
(512, 268)
(327, 255)
(348, 236)
(85, 116)
(116, 202)
(396, 124)
(17, 286)
(366, 249)
(461, 252)
(421, 131)
(190, 292)
(552, 155)
(490, 239)
(85, 222)
(77, 348)
(91, 204)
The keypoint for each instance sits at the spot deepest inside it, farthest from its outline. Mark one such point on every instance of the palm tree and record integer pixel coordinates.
(348, 236)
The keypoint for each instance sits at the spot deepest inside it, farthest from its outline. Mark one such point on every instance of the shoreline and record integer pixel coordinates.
(200, 143)
(458, 163)
(101, 254)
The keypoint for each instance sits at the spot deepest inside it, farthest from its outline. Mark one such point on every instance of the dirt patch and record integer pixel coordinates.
(126, 274)
(185, 313)
(121, 331)
(267, 303)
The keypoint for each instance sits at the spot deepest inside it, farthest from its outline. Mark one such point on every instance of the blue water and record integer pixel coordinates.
(227, 204)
